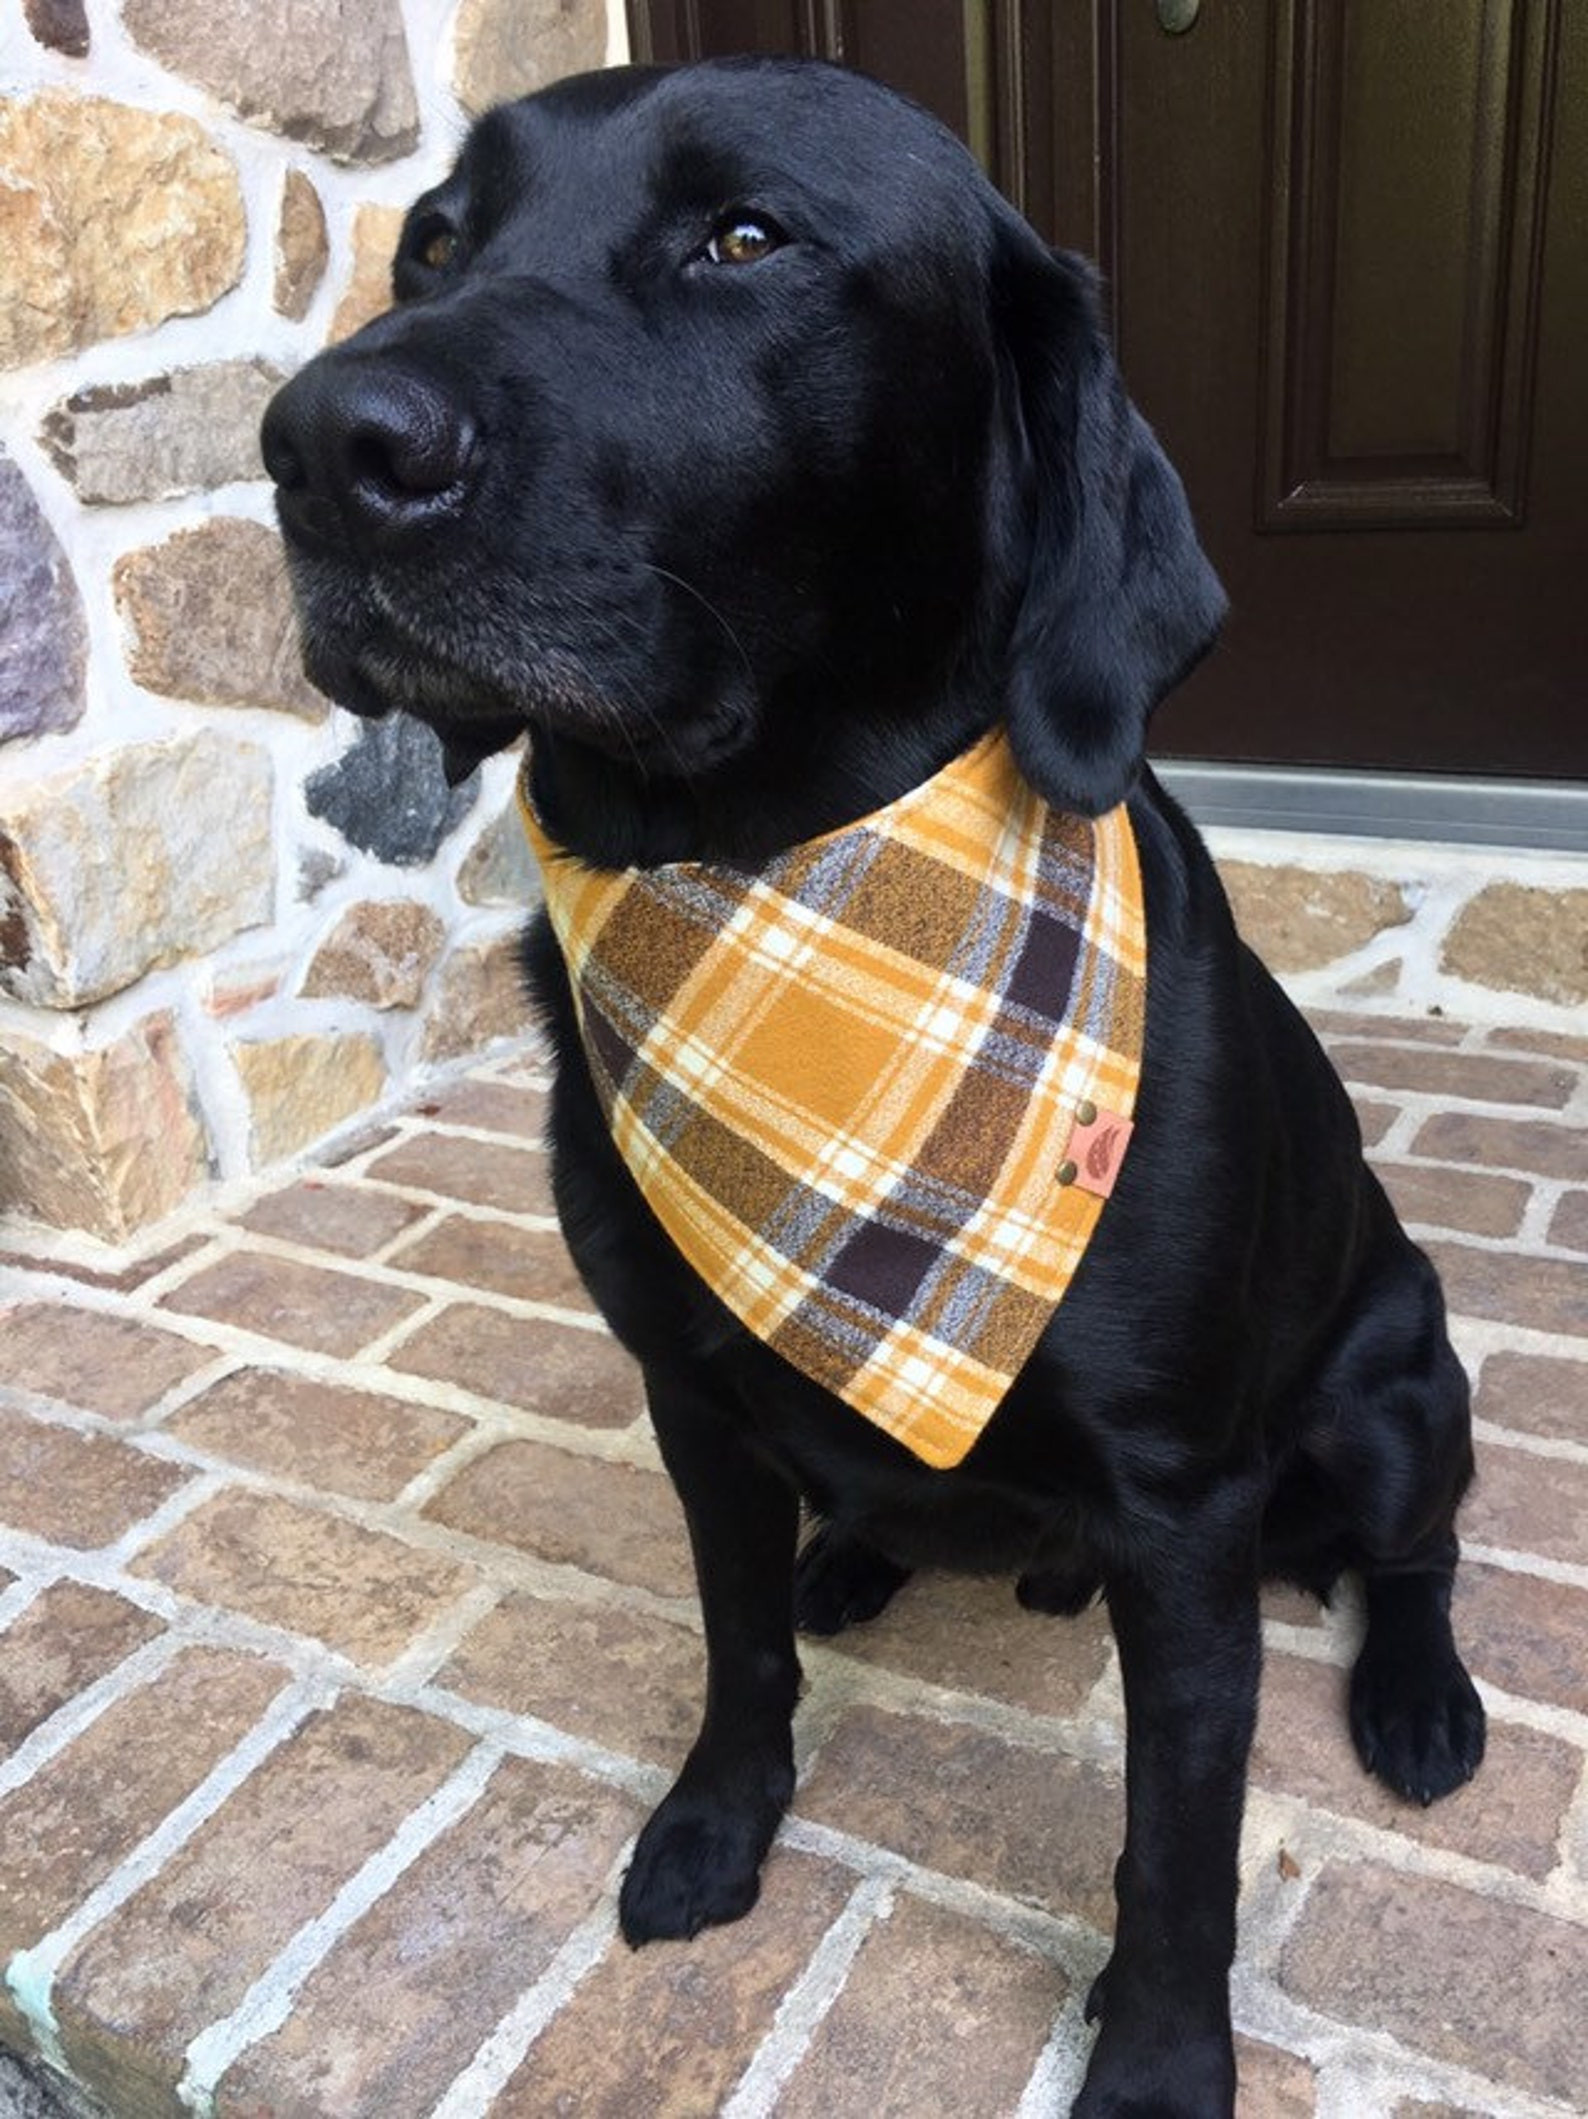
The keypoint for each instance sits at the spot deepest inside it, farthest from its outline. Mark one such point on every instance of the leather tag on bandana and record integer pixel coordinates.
(1093, 1159)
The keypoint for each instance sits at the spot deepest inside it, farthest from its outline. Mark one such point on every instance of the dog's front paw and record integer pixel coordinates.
(696, 1865)
(1418, 1724)
(1162, 2059)
(1160, 2077)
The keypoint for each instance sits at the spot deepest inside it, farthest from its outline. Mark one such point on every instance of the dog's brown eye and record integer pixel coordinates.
(741, 241)
(439, 248)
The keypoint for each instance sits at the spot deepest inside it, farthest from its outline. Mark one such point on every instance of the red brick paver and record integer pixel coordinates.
(307, 1306)
(362, 1443)
(308, 1571)
(618, 1678)
(965, 1803)
(404, 2000)
(346, 1634)
(669, 2030)
(100, 1363)
(608, 1519)
(936, 2015)
(66, 1828)
(539, 1365)
(349, 1220)
(185, 1949)
(68, 1637)
(1492, 1987)
(74, 1489)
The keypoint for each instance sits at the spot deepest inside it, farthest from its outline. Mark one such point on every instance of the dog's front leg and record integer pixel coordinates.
(698, 1860)
(1190, 1650)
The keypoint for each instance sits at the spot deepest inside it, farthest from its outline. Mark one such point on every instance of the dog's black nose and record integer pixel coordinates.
(366, 449)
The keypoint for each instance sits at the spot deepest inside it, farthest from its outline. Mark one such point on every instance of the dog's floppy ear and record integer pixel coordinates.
(1119, 600)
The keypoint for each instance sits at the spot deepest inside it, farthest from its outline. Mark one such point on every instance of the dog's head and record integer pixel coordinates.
(732, 434)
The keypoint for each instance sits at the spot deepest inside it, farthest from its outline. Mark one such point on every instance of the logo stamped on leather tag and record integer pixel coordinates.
(1096, 1150)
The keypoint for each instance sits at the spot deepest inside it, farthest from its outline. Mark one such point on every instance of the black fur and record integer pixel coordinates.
(752, 548)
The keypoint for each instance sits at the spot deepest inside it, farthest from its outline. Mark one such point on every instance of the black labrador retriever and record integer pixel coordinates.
(732, 435)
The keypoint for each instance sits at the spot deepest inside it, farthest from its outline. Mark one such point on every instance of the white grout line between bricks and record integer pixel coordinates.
(476, 2089)
(1061, 2066)
(15, 1601)
(1568, 1573)
(806, 2002)
(1562, 1449)
(138, 1668)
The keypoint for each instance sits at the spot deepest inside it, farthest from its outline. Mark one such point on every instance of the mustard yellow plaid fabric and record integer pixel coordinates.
(846, 1081)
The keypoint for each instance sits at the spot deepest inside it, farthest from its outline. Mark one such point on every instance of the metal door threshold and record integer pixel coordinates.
(1548, 816)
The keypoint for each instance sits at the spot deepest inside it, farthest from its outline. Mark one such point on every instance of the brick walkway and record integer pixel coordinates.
(345, 1635)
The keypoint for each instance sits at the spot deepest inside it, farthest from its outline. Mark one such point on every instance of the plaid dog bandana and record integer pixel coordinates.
(876, 1089)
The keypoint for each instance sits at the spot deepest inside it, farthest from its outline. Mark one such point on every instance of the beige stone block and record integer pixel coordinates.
(210, 618)
(178, 433)
(368, 291)
(333, 73)
(132, 859)
(1516, 939)
(102, 1141)
(480, 995)
(229, 993)
(301, 1087)
(508, 48)
(499, 868)
(380, 952)
(301, 248)
(1298, 919)
(111, 220)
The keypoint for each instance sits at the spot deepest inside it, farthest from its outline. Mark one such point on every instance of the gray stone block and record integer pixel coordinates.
(388, 795)
(43, 637)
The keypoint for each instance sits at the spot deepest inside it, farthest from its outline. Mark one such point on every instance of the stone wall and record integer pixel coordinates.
(1480, 934)
(231, 917)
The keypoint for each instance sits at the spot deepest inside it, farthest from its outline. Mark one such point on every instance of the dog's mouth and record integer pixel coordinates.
(468, 715)
(478, 686)
(483, 673)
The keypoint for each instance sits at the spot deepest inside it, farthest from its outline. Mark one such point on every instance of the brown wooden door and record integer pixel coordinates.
(1346, 243)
